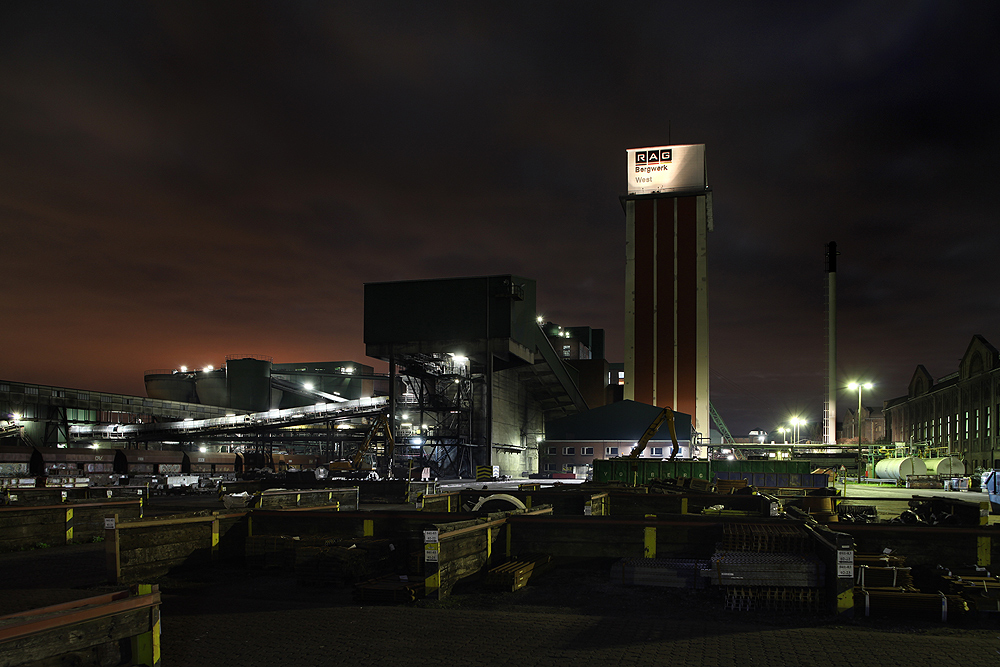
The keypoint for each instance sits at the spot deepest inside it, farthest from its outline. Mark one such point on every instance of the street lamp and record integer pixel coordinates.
(857, 418)
(783, 430)
(796, 422)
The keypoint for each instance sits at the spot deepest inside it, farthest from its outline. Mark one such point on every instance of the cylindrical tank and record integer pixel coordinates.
(171, 386)
(212, 388)
(249, 382)
(949, 466)
(900, 468)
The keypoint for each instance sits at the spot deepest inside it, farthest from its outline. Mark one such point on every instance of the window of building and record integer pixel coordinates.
(587, 451)
(566, 351)
(569, 451)
(611, 451)
(657, 451)
(621, 377)
(550, 467)
(550, 450)
(31, 391)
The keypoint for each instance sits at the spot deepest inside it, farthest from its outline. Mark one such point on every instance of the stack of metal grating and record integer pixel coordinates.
(738, 568)
(774, 598)
(666, 572)
(769, 567)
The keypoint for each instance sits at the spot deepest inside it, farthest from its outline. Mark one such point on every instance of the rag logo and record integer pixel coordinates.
(653, 156)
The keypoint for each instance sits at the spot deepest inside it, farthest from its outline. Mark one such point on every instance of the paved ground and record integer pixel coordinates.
(571, 617)
(232, 616)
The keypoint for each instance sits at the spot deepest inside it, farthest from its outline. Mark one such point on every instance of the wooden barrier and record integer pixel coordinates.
(66, 523)
(139, 551)
(345, 499)
(928, 545)
(598, 538)
(54, 495)
(628, 504)
(456, 550)
(117, 628)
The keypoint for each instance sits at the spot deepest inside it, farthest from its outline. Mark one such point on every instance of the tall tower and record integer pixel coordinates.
(668, 214)
(830, 411)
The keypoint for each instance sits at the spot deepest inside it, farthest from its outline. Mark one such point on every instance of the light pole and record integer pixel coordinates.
(796, 422)
(857, 418)
(784, 433)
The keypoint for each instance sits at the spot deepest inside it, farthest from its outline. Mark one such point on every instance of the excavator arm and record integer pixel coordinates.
(666, 415)
(381, 423)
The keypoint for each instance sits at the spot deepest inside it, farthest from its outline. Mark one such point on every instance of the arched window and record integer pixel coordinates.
(976, 363)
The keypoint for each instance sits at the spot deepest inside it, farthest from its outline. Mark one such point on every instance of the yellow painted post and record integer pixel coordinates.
(298, 499)
(369, 529)
(449, 502)
(489, 544)
(527, 502)
(507, 549)
(984, 545)
(684, 505)
(146, 647)
(649, 538)
(215, 537)
(69, 525)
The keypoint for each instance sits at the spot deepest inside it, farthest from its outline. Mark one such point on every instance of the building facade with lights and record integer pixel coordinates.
(573, 443)
(958, 414)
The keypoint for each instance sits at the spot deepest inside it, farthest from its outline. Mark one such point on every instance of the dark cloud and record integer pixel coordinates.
(183, 180)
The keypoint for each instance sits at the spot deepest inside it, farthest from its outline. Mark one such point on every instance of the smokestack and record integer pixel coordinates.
(830, 410)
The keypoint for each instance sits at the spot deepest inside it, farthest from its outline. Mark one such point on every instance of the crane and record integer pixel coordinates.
(727, 437)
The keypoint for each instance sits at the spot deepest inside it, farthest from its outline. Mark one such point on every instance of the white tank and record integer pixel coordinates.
(949, 466)
(900, 468)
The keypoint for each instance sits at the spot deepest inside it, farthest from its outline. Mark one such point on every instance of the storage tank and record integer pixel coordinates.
(900, 468)
(168, 385)
(249, 381)
(212, 388)
(949, 466)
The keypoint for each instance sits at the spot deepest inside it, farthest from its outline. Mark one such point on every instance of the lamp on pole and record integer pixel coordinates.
(796, 422)
(783, 430)
(857, 418)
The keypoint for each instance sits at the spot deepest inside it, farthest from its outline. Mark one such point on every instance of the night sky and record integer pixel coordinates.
(180, 181)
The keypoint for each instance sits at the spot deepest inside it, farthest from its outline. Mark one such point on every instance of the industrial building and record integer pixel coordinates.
(473, 377)
(573, 443)
(958, 413)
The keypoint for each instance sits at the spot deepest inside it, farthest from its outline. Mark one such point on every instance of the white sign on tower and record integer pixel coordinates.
(666, 169)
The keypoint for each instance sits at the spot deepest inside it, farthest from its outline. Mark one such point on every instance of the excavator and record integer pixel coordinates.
(665, 415)
(356, 464)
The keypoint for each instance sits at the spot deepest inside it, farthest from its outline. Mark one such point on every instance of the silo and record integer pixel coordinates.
(168, 385)
(211, 387)
(900, 468)
(249, 382)
(948, 466)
